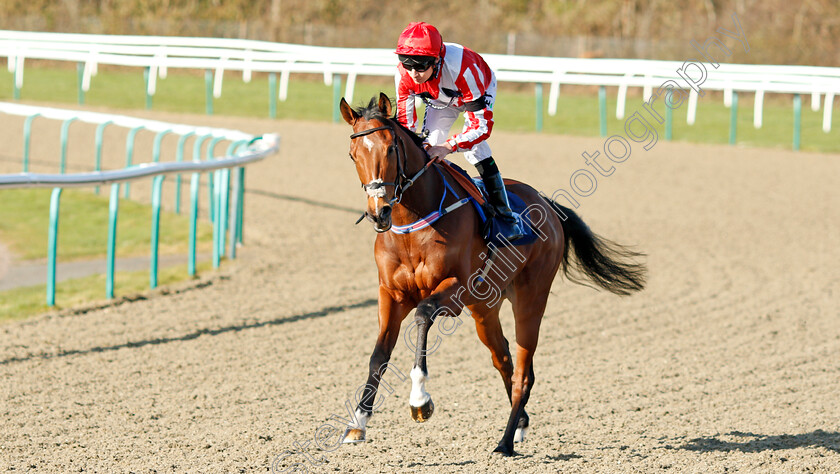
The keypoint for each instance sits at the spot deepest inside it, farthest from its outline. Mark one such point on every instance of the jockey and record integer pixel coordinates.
(452, 79)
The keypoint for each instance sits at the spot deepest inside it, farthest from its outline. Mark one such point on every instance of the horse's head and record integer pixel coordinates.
(375, 151)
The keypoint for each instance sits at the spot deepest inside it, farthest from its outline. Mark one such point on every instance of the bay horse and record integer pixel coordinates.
(438, 264)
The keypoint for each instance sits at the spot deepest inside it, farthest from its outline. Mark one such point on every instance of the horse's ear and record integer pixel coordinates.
(350, 116)
(384, 104)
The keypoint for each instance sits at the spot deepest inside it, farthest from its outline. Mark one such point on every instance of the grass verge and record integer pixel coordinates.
(83, 226)
(22, 303)
(82, 234)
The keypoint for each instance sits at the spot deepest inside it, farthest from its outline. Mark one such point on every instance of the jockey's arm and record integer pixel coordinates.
(406, 113)
(479, 124)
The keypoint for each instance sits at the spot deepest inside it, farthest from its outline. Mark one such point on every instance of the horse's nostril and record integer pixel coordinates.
(385, 213)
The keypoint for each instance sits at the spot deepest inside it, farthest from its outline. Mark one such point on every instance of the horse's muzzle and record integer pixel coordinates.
(381, 220)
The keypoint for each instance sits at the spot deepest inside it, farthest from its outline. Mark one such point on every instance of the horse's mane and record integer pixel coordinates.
(371, 111)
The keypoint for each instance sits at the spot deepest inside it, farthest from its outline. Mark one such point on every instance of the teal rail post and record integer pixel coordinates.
(240, 226)
(215, 202)
(272, 94)
(113, 209)
(157, 145)
(602, 105)
(234, 147)
(336, 97)
(235, 210)
(157, 186)
(15, 87)
(211, 148)
(179, 157)
(229, 222)
(129, 153)
(208, 91)
(146, 78)
(100, 132)
(238, 206)
(65, 131)
(193, 221)
(669, 117)
(225, 209)
(27, 135)
(52, 244)
(80, 73)
(539, 119)
(239, 197)
(733, 119)
(797, 120)
(197, 147)
(197, 157)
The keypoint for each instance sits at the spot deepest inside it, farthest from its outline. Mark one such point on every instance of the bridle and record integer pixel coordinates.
(402, 182)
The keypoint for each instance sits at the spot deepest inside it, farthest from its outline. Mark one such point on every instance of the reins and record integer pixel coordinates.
(403, 182)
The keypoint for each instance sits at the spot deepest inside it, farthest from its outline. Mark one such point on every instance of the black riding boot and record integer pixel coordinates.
(495, 187)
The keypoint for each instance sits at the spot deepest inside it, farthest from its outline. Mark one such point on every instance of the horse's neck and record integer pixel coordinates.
(423, 197)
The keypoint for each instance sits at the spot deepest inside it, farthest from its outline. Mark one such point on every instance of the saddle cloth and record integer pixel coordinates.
(478, 196)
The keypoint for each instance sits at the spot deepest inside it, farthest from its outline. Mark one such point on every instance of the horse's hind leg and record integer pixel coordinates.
(529, 299)
(489, 331)
(523, 380)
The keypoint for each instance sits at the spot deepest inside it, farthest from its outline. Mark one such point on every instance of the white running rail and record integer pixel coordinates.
(160, 53)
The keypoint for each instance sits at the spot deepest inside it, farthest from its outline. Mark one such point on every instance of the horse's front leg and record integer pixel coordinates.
(442, 302)
(391, 314)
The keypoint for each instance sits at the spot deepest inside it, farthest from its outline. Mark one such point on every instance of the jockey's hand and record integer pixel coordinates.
(438, 151)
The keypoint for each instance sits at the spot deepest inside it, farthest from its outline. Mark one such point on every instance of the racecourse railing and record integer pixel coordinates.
(226, 207)
(159, 54)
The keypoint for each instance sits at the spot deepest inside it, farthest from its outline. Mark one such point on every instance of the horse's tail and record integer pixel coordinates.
(607, 264)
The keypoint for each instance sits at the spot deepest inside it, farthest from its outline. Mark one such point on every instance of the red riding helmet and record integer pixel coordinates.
(420, 39)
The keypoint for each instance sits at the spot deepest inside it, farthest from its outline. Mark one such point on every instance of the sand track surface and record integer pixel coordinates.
(728, 361)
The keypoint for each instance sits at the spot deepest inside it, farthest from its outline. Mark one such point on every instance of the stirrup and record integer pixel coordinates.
(511, 231)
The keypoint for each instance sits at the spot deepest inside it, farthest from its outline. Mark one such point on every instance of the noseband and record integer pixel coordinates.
(403, 182)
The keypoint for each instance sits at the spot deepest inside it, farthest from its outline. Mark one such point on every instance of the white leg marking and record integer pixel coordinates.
(520, 434)
(419, 396)
(362, 419)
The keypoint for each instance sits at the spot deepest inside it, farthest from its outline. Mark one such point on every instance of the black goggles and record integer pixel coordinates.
(417, 63)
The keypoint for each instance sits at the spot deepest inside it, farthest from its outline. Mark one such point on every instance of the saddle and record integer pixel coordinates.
(478, 196)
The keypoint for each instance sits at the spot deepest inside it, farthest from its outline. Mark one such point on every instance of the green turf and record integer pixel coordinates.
(310, 99)
(83, 226)
(82, 234)
(21, 303)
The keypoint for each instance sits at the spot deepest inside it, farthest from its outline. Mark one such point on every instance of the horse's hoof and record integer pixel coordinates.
(423, 413)
(504, 450)
(353, 435)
